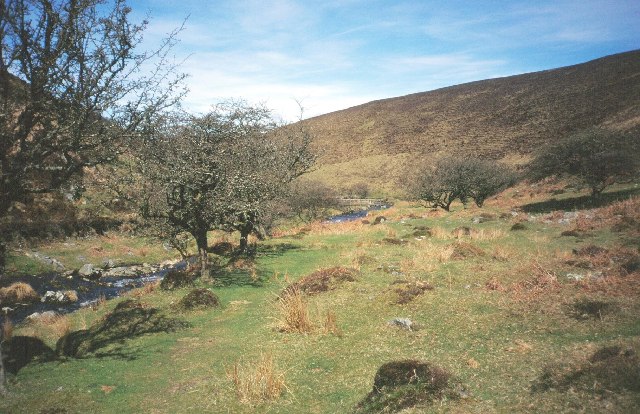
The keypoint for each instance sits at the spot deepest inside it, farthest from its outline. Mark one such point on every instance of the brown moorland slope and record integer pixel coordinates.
(504, 118)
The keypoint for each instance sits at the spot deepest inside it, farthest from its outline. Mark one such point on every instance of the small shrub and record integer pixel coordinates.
(199, 298)
(294, 313)
(257, 382)
(18, 293)
(518, 227)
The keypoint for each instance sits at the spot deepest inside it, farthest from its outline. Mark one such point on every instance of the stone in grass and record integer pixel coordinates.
(404, 323)
(407, 383)
(199, 299)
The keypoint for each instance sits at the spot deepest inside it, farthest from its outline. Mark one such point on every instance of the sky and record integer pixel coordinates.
(327, 55)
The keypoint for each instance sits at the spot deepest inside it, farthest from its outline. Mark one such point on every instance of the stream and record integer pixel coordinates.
(355, 215)
(88, 291)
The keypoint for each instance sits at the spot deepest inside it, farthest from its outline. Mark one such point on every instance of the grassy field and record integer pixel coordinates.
(519, 317)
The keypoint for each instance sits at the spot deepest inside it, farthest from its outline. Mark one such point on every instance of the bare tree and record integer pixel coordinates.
(73, 87)
(218, 171)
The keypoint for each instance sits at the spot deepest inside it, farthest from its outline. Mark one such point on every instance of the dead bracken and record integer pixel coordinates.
(322, 280)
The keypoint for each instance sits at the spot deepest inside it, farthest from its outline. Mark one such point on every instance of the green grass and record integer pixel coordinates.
(510, 336)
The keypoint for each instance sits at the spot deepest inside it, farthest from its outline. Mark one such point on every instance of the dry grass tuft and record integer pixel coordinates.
(18, 293)
(407, 292)
(258, 381)
(48, 327)
(494, 284)
(294, 312)
(330, 324)
(462, 250)
(542, 281)
(146, 289)
(7, 329)
(486, 234)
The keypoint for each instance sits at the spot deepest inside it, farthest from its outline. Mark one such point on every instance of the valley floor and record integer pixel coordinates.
(531, 309)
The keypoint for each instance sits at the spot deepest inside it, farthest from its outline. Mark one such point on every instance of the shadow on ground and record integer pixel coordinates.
(579, 203)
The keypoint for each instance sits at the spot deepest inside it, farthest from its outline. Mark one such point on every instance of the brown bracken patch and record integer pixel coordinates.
(322, 280)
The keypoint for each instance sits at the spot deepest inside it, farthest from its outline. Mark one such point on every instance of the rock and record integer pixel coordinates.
(109, 264)
(483, 218)
(61, 297)
(575, 277)
(404, 323)
(379, 220)
(123, 271)
(36, 316)
(89, 271)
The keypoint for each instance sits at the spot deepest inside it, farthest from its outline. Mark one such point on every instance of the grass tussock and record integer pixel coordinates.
(323, 280)
(293, 310)
(542, 280)
(257, 382)
(7, 329)
(408, 291)
(399, 385)
(18, 293)
(48, 327)
(330, 324)
(146, 289)
(608, 371)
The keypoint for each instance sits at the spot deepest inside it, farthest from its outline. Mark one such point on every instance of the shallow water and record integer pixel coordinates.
(88, 291)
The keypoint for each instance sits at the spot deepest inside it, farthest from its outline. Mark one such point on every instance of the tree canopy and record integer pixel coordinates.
(72, 90)
(218, 171)
(459, 178)
(596, 157)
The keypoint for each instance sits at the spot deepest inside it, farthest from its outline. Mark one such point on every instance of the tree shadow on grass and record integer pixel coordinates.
(582, 202)
(276, 250)
(128, 320)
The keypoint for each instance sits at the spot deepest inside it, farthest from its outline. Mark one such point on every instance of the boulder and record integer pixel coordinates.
(61, 296)
(89, 271)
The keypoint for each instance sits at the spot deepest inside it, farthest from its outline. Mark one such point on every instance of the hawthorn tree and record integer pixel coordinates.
(310, 199)
(218, 171)
(454, 178)
(596, 156)
(73, 88)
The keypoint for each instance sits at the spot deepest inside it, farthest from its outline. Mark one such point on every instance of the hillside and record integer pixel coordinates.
(505, 118)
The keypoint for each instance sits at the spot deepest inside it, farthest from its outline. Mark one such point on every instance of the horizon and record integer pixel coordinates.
(330, 56)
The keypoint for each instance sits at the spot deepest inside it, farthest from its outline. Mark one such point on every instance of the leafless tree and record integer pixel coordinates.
(73, 87)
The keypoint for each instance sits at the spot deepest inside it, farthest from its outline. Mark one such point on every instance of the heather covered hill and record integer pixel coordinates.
(505, 118)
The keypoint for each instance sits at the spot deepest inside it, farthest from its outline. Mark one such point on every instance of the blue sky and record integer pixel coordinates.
(331, 54)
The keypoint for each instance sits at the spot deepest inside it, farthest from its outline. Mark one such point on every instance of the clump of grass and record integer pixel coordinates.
(18, 292)
(199, 298)
(257, 382)
(486, 234)
(330, 324)
(398, 385)
(408, 291)
(48, 327)
(609, 371)
(519, 226)
(7, 329)
(294, 312)
(323, 280)
(175, 279)
(494, 284)
(541, 281)
(463, 250)
(585, 308)
(146, 289)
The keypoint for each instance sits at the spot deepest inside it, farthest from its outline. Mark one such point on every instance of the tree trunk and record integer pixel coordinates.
(244, 238)
(201, 241)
